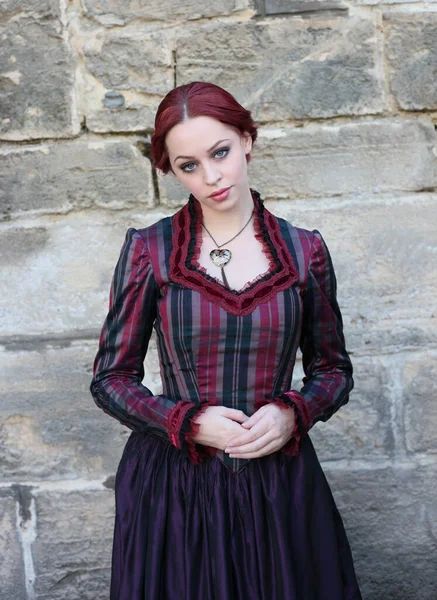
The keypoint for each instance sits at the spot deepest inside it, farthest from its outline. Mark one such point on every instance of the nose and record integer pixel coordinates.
(212, 174)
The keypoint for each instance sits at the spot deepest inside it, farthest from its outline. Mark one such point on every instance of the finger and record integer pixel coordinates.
(254, 419)
(251, 421)
(251, 446)
(269, 448)
(253, 434)
(235, 415)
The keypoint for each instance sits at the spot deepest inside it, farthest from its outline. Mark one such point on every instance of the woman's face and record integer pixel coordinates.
(206, 156)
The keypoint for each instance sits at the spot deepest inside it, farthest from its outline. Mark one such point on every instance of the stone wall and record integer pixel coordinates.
(346, 97)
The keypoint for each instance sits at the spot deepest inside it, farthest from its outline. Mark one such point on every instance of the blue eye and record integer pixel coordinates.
(184, 168)
(225, 150)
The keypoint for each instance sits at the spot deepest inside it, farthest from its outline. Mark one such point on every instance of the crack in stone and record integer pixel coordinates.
(23, 495)
(26, 530)
(145, 147)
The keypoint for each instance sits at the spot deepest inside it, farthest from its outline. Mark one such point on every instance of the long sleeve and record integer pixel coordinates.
(326, 363)
(118, 369)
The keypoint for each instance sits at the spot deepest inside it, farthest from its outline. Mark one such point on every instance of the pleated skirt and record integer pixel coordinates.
(202, 532)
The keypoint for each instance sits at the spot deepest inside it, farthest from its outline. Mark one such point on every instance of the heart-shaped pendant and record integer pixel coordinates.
(220, 257)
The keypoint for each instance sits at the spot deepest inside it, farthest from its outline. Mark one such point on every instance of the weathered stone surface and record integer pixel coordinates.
(171, 192)
(11, 564)
(57, 178)
(288, 68)
(274, 7)
(50, 426)
(388, 2)
(38, 9)
(384, 253)
(36, 73)
(134, 116)
(134, 64)
(390, 516)
(124, 59)
(411, 50)
(328, 160)
(106, 10)
(361, 428)
(419, 391)
(72, 553)
(77, 256)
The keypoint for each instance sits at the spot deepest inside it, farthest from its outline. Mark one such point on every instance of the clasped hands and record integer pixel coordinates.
(231, 430)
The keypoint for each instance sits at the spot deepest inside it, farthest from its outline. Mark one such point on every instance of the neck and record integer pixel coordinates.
(225, 224)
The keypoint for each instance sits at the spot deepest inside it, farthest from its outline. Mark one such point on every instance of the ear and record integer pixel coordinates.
(247, 142)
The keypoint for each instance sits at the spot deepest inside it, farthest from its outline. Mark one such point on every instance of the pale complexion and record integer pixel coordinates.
(205, 156)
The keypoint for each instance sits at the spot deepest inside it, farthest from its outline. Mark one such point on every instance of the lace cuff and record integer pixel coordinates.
(302, 424)
(182, 427)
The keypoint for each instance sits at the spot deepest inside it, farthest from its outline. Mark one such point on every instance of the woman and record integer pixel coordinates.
(219, 492)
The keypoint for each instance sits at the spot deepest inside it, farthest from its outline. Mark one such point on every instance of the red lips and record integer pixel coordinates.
(219, 192)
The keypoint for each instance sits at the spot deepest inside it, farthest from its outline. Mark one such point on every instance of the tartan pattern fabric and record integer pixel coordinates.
(211, 352)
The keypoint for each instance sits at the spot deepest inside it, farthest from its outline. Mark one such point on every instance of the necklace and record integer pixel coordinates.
(220, 257)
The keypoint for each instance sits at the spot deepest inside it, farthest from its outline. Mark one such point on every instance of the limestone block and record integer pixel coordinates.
(126, 73)
(411, 51)
(36, 73)
(59, 274)
(288, 68)
(419, 391)
(388, 2)
(72, 553)
(107, 10)
(273, 7)
(57, 178)
(134, 116)
(327, 160)
(124, 59)
(361, 428)
(37, 8)
(384, 253)
(50, 426)
(390, 516)
(171, 191)
(12, 586)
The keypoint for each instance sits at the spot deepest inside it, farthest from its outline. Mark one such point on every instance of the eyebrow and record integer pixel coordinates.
(209, 150)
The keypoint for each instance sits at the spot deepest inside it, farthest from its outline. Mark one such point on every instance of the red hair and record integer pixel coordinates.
(197, 99)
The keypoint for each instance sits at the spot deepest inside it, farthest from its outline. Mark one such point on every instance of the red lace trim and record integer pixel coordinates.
(258, 235)
(291, 448)
(176, 419)
(185, 269)
(197, 452)
(301, 405)
(294, 400)
(181, 428)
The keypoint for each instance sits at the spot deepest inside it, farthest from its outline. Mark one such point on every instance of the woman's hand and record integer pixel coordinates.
(219, 425)
(269, 428)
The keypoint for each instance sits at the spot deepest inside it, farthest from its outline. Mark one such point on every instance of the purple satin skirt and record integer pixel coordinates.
(185, 532)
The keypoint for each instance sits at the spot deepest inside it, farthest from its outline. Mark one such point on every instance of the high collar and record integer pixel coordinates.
(186, 270)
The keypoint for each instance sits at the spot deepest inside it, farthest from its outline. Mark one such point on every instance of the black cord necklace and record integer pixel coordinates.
(220, 257)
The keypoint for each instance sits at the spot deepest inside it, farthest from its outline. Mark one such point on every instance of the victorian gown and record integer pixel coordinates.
(192, 523)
